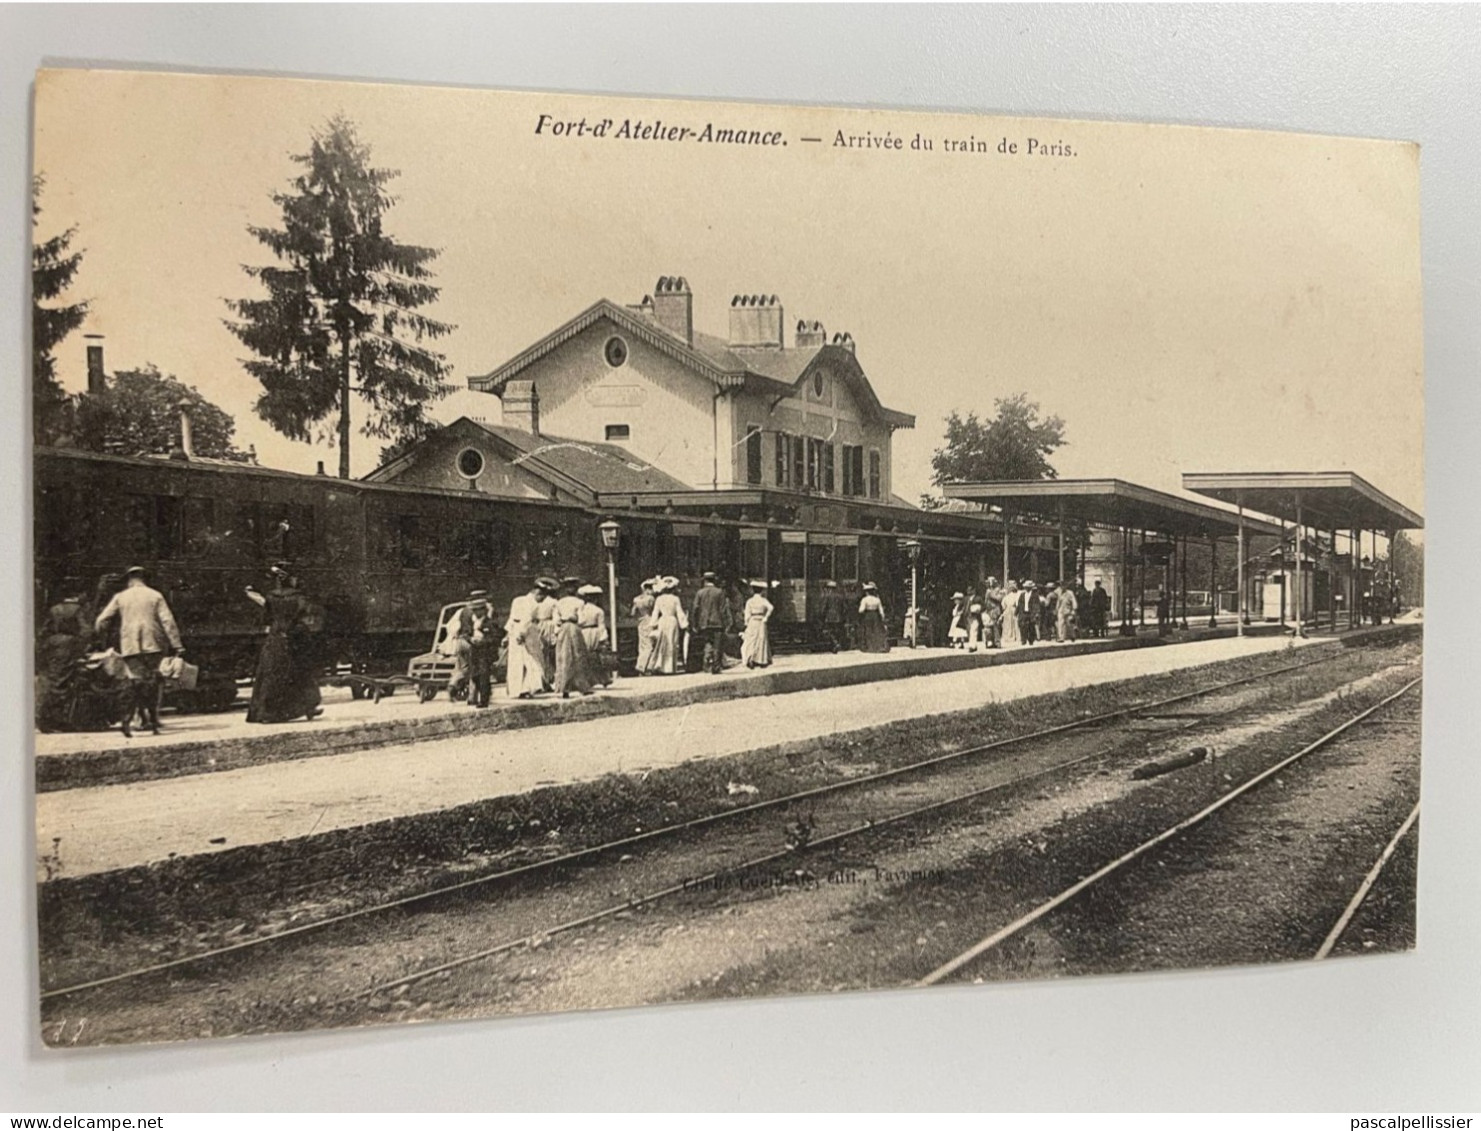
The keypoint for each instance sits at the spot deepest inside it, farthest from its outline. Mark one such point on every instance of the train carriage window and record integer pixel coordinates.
(474, 544)
(299, 539)
(846, 563)
(201, 535)
(820, 561)
(415, 543)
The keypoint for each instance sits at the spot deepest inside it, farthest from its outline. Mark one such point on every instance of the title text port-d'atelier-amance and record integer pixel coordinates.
(636, 129)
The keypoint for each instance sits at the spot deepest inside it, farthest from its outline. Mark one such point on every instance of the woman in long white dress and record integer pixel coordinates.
(643, 618)
(957, 634)
(669, 620)
(526, 676)
(756, 642)
(1012, 602)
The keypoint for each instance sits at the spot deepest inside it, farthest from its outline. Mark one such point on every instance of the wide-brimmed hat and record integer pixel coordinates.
(670, 582)
(589, 591)
(549, 584)
(830, 584)
(1029, 585)
(958, 596)
(573, 581)
(758, 584)
(134, 571)
(871, 587)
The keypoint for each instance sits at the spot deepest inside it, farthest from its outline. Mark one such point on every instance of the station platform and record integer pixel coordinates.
(221, 741)
(92, 830)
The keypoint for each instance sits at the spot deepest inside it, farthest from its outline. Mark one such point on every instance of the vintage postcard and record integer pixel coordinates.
(512, 552)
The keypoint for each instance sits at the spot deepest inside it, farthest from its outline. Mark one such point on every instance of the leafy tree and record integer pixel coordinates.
(53, 265)
(1406, 558)
(139, 414)
(1013, 444)
(340, 314)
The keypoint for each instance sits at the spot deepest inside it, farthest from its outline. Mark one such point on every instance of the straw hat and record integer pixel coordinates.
(589, 591)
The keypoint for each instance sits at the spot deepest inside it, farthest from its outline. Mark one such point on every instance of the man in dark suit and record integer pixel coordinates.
(833, 615)
(710, 620)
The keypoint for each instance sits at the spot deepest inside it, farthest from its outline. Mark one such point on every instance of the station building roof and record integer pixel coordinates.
(1108, 502)
(1340, 500)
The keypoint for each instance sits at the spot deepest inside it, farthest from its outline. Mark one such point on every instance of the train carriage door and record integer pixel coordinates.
(791, 590)
(822, 565)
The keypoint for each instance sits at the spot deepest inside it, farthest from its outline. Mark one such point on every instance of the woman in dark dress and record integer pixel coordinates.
(286, 686)
(873, 636)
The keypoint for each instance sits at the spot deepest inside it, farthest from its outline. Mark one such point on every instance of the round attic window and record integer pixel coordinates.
(470, 463)
(616, 352)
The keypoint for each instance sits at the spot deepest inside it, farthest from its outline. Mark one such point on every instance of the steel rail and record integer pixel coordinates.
(700, 883)
(1337, 931)
(1001, 935)
(583, 854)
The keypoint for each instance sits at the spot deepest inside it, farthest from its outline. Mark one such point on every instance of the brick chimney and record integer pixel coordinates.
(97, 380)
(844, 341)
(811, 335)
(756, 321)
(521, 406)
(673, 307)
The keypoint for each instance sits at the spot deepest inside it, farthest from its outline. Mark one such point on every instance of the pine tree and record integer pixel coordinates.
(340, 314)
(53, 266)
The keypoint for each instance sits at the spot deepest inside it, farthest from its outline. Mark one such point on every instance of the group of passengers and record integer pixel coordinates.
(1023, 613)
(554, 640)
(104, 662)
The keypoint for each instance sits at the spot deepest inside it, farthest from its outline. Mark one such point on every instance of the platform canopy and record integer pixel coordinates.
(1329, 500)
(1108, 502)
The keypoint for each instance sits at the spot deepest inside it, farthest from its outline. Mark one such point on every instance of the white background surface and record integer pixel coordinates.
(1389, 1033)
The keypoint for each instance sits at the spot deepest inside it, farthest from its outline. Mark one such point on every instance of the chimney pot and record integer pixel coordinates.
(673, 307)
(757, 321)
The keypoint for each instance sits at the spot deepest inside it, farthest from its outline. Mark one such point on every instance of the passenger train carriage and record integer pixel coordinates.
(383, 558)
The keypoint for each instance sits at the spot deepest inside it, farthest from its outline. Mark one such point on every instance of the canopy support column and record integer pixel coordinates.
(1239, 598)
(1183, 575)
(1123, 589)
(1061, 541)
(1006, 524)
(1213, 581)
(1298, 598)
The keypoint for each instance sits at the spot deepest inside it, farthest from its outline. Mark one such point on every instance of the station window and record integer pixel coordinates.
(618, 432)
(753, 453)
(470, 463)
(783, 459)
(799, 458)
(874, 477)
(827, 483)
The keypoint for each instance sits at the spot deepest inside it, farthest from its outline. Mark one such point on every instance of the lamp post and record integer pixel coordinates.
(912, 547)
(611, 531)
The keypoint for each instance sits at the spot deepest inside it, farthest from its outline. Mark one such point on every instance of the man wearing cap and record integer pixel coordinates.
(710, 618)
(146, 632)
(476, 646)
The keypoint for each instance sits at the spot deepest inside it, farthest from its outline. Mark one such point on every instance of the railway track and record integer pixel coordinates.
(963, 961)
(1137, 722)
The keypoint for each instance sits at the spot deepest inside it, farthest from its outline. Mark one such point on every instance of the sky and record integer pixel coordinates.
(1185, 299)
